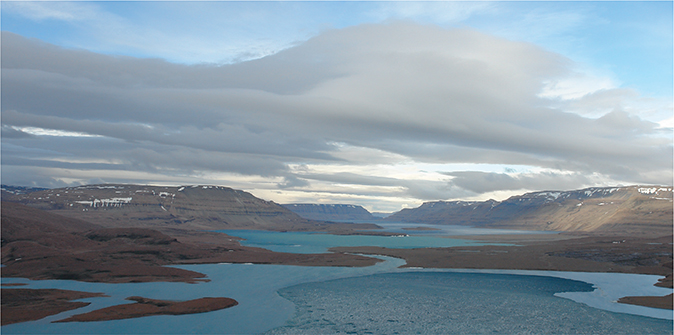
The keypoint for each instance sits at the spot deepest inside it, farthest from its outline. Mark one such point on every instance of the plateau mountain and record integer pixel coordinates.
(331, 212)
(186, 207)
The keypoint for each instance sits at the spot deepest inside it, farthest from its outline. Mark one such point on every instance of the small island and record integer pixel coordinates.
(21, 305)
(148, 307)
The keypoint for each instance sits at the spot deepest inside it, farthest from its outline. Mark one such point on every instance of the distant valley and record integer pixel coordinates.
(642, 210)
(330, 212)
(129, 233)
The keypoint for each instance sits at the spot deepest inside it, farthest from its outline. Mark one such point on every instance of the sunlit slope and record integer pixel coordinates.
(634, 209)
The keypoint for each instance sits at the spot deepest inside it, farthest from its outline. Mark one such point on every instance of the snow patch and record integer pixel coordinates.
(653, 190)
(113, 202)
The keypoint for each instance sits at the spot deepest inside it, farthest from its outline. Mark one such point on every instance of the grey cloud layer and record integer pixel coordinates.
(432, 95)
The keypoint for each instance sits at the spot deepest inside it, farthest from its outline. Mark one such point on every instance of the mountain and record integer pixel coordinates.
(42, 245)
(327, 212)
(633, 209)
(19, 189)
(39, 244)
(193, 207)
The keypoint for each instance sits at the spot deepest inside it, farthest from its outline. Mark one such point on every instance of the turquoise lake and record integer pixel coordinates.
(309, 243)
(381, 299)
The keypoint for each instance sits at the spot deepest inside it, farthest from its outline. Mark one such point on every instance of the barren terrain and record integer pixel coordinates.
(98, 234)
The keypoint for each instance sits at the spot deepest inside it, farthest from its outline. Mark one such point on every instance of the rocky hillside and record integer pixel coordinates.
(634, 209)
(194, 207)
(328, 212)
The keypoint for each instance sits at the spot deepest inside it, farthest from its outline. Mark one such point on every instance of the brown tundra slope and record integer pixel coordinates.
(42, 245)
(633, 210)
(184, 207)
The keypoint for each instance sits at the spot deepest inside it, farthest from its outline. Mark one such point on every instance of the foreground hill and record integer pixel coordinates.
(330, 212)
(38, 244)
(625, 210)
(193, 207)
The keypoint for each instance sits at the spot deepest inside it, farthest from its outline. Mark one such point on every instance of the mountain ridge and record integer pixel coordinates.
(629, 209)
(331, 212)
(204, 207)
(634, 209)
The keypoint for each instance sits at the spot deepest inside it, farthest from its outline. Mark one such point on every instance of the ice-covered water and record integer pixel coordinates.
(381, 299)
(453, 303)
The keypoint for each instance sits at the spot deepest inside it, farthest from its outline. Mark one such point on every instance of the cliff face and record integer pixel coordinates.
(201, 207)
(327, 212)
(634, 209)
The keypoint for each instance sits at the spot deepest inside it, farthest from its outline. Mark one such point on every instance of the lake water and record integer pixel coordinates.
(453, 303)
(381, 299)
(309, 243)
(447, 230)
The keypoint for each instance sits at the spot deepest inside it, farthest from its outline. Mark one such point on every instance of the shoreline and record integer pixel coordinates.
(563, 252)
(40, 302)
(531, 252)
(148, 307)
(609, 289)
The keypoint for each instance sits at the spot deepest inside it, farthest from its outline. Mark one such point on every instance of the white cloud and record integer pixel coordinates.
(370, 113)
(51, 132)
(667, 123)
(576, 86)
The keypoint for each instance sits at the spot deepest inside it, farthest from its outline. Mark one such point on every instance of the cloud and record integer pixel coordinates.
(484, 182)
(396, 91)
(13, 132)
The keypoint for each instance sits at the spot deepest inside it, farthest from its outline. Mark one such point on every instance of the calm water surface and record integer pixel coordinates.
(453, 303)
(310, 243)
(380, 299)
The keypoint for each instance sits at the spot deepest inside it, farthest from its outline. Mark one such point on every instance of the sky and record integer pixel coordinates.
(381, 104)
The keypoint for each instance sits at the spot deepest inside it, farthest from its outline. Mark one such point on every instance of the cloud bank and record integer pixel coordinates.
(358, 109)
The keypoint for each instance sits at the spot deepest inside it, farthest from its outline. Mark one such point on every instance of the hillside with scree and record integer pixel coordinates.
(631, 210)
